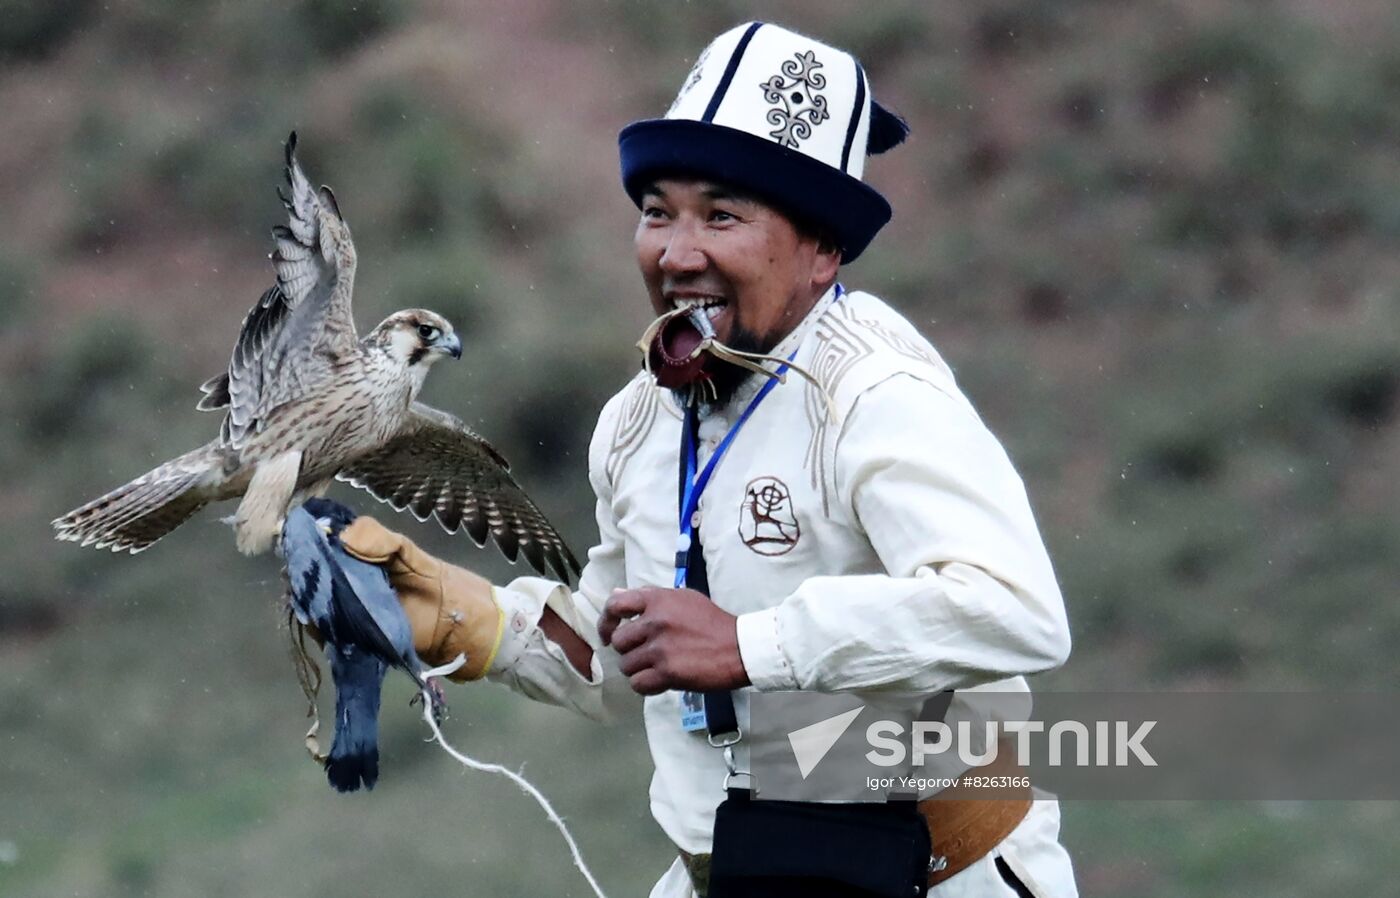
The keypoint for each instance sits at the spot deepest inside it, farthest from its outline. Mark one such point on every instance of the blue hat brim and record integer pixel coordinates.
(851, 210)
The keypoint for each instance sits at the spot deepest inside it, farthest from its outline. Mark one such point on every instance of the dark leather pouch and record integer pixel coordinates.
(782, 848)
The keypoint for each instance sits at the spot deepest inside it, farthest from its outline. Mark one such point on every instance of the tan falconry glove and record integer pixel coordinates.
(450, 609)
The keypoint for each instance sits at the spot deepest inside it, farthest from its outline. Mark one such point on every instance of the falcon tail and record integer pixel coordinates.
(132, 517)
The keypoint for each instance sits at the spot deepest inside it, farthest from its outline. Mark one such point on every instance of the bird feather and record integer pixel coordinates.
(438, 466)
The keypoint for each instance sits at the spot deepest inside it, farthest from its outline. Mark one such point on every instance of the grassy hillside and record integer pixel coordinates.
(1154, 239)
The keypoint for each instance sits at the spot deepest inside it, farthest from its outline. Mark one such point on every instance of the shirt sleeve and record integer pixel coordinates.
(533, 664)
(968, 596)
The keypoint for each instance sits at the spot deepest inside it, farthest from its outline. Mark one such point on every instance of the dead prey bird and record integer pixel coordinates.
(363, 630)
(306, 400)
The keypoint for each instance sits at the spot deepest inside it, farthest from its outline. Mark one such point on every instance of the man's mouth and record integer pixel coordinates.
(714, 306)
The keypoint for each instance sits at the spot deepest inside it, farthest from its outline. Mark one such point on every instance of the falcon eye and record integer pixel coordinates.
(427, 331)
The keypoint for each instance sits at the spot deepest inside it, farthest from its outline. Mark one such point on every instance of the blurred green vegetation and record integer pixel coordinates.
(1154, 239)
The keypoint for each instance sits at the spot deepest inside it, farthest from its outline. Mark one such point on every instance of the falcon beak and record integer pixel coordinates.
(450, 344)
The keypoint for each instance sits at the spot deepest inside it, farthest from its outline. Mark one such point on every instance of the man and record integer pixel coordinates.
(860, 531)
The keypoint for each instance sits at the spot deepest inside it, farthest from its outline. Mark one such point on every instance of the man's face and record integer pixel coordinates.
(758, 276)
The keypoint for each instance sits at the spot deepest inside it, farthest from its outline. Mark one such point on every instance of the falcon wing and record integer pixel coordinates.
(241, 388)
(437, 466)
(290, 338)
(215, 391)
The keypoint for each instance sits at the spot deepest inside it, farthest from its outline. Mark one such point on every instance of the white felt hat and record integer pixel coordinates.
(778, 114)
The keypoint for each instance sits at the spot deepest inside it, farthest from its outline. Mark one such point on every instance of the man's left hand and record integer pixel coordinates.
(673, 639)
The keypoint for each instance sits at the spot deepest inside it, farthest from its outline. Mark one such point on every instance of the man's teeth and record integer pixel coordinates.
(712, 307)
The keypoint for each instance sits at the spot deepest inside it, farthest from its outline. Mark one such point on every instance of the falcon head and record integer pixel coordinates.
(417, 337)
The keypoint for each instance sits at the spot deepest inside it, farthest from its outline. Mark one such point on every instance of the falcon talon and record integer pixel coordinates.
(431, 695)
(432, 692)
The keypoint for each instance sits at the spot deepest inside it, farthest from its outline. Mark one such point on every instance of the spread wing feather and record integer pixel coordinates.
(436, 466)
(292, 338)
(215, 391)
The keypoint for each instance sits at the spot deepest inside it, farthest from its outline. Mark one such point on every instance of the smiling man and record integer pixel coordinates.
(856, 530)
(752, 268)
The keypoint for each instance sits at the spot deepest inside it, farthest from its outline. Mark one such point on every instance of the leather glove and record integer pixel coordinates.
(450, 609)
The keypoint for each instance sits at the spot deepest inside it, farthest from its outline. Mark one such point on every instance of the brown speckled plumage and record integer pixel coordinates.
(305, 400)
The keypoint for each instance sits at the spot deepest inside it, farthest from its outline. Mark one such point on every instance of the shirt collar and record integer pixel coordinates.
(750, 387)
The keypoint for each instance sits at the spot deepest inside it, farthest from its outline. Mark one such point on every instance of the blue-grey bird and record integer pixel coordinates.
(357, 614)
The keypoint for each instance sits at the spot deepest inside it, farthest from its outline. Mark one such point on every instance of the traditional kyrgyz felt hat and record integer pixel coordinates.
(782, 116)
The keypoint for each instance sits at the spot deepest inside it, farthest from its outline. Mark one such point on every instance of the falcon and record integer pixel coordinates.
(307, 401)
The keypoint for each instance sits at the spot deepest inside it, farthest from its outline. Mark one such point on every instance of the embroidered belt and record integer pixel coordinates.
(965, 821)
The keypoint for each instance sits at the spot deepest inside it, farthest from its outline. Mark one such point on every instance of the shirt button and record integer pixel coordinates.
(517, 622)
(695, 519)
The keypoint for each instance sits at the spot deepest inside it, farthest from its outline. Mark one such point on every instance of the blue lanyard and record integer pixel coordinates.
(695, 486)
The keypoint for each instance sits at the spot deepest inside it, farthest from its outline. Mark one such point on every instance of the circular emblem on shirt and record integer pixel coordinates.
(767, 523)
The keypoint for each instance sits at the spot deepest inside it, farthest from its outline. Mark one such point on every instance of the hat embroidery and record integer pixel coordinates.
(801, 105)
(691, 80)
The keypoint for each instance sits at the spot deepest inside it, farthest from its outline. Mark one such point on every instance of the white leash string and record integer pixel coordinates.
(520, 781)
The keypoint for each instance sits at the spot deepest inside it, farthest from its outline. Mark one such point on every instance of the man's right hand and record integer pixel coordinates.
(450, 609)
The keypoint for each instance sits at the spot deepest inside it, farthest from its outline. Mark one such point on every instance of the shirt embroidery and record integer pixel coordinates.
(839, 348)
(634, 421)
(767, 523)
(843, 340)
